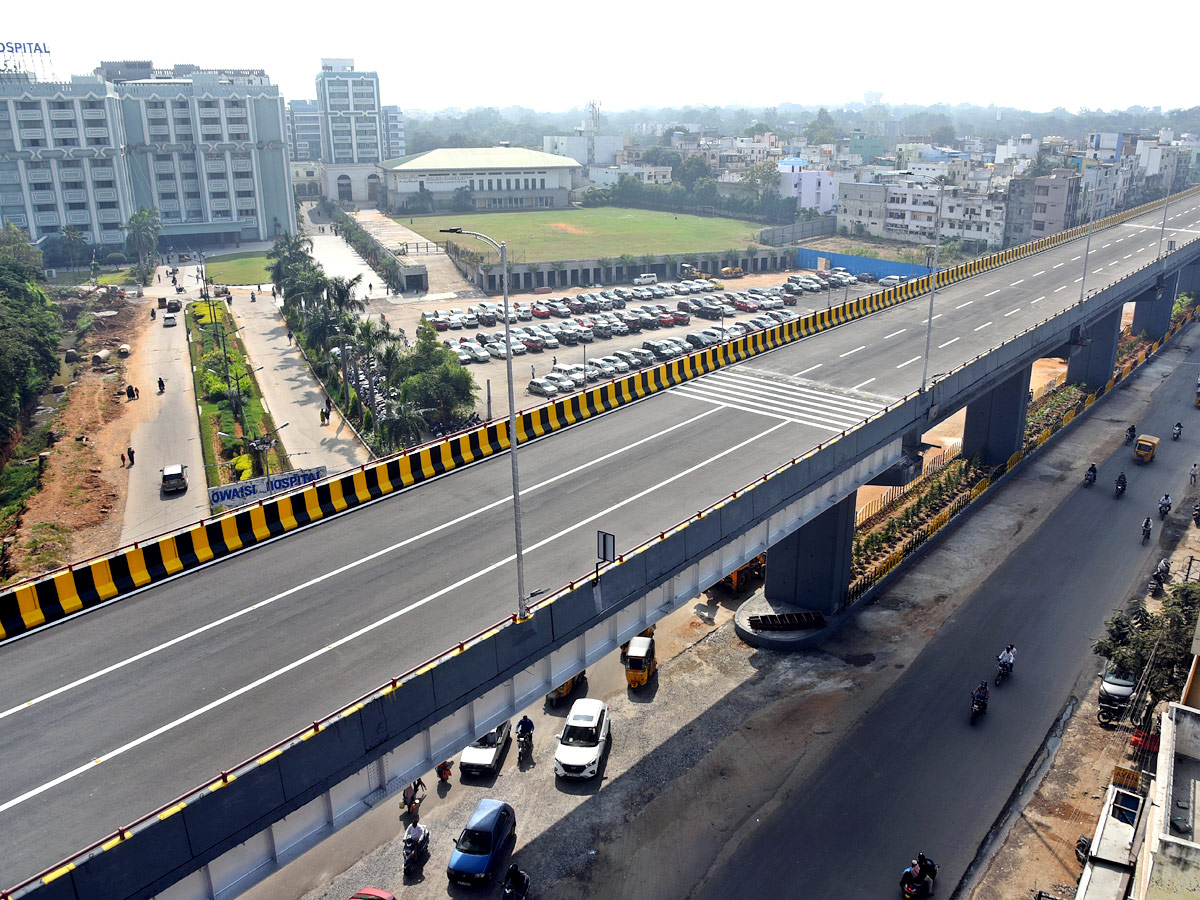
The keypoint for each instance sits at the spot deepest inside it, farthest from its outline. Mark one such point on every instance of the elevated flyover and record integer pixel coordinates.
(143, 699)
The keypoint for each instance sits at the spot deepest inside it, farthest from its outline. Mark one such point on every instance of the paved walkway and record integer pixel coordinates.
(445, 281)
(291, 392)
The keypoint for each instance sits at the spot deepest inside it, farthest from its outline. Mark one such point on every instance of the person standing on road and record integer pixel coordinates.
(328, 405)
(129, 450)
(1195, 471)
(129, 391)
(122, 460)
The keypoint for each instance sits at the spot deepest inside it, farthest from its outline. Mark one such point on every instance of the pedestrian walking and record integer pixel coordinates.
(129, 391)
(328, 404)
(324, 416)
(289, 339)
(1195, 472)
(137, 393)
(532, 371)
(370, 287)
(129, 450)
(554, 360)
(122, 460)
(160, 277)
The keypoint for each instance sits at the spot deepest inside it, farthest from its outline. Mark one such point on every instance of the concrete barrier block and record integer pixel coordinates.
(407, 706)
(518, 641)
(621, 581)
(374, 723)
(458, 675)
(767, 495)
(233, 808)
(127, 868)
(665, 557)
(309, 762)
(62, 888)
(570, 612)
(736, 515)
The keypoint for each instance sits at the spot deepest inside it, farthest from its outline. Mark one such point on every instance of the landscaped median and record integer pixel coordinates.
(84, 585)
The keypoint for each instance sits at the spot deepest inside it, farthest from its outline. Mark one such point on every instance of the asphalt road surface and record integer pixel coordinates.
(126, 708)
(915, 775)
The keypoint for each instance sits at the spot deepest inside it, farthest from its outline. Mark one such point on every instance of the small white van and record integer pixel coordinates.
(575, 372)
(648, 278)
(892, 280)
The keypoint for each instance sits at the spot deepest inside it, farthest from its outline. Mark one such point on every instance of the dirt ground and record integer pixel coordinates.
(78, 511)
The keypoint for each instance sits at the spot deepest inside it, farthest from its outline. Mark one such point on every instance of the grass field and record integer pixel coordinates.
(120, 277)
(238, 268)
(595, 233)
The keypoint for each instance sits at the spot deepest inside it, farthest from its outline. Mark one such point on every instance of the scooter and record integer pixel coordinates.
(1120, 488)
(1129, 436)
(517, 892)
(415, 850)
(1196, 515)
(1163, 509)
(911, 890)
(443, 770)
(1089, 478)
(1003, 669)
(524, 747)
(1145, 533)
(1176, 432)
(1162, 574)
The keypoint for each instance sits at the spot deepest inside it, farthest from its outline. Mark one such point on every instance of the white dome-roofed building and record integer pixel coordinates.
(469, 178)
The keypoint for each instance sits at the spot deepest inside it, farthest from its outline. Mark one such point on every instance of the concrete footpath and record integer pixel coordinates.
(291, 392)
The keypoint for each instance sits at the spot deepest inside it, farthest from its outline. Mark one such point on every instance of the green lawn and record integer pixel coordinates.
(238, 268)
(596, 233)
(120, 277)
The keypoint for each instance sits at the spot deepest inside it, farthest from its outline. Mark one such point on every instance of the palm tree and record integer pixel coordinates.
(605, 264)
(141, 232)
(712, 259)
(648, 260)
(627, 261)
(751, 256)
(534, 268)
(371, 338)
(321, 327)
(486, 269)
(73, 243)
(733, 256)
(558, 266)
(403, 423)
(340, 294)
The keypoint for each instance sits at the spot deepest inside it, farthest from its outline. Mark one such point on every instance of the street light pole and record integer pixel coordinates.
(1162, 232)
(502, 247)
(1087, 247)
(937, 243)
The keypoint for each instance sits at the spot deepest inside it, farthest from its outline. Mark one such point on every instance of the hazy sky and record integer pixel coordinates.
(554, 56)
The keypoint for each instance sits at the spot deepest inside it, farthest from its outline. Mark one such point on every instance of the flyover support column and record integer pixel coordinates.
(995, 425)
(810, 568)
(1152, 309)
(1189, 279)
(1092, 364)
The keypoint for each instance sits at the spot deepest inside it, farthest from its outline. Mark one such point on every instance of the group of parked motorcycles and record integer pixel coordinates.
(454, 426)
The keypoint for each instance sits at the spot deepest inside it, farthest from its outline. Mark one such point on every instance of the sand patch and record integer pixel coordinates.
(569, 229)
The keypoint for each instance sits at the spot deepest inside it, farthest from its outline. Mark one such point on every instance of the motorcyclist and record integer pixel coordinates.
(981, 694)
(1130, 434)
(1165, 501)
(1121, 480)
(525, 726)
(517, 880)
(1177, 430)
(1147, 527)
(1091, 472)
(926, 869)
(415, 833)
(1162, 571)
(1008, 656)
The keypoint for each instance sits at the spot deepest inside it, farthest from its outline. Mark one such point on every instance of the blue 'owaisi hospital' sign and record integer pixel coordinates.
(254, 489)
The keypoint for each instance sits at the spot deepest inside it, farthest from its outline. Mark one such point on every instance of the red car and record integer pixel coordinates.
(533, 344)
(575, 305)
(541, 312)
(745, 304)
(441, 324)
(666, 320)
(373, 894)
(681, 318)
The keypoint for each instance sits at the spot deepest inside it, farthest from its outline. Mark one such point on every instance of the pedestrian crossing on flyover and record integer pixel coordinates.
(780, 398)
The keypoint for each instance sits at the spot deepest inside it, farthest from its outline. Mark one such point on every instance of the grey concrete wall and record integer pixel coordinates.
(810, 568)
(1092, 364)
(1152, 310)
(995, 426)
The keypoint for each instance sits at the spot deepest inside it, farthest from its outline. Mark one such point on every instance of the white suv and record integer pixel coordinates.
(583, 741)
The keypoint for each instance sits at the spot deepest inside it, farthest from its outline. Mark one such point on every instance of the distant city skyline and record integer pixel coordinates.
(664, 57)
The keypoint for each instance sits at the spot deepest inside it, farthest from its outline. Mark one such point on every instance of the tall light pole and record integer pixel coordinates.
(1162, 232)
(1087, 247)
(502, 248)
(937, 243)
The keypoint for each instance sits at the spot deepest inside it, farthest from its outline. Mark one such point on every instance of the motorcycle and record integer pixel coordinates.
(978, 707)
(1163, 509)
(911, 890)
(1196, 515)
(1145, 533)
(1129, 436)
(1120, 488)
(1089, 478)
(1162, 574)
(518, 891)
(1003, 669)
(443, 770)
(415, 850)
(524, 747)
(1176, 432)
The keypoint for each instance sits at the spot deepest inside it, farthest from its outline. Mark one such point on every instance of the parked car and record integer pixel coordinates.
(628, 358)
(479, 849)
(619, 366)
(699, 340)
(543, 387)
(563, 382)
(583, 740)
(483, 757)
(891, 280)
(866, 277)
(373, 894)
(645, 357)
(477, 352)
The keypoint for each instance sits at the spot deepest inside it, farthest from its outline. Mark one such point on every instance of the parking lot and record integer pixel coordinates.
(584, 337)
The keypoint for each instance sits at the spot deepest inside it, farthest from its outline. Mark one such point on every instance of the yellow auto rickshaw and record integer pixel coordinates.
(640, 662)
(564, 689)
(648, 632)
(1144, 448)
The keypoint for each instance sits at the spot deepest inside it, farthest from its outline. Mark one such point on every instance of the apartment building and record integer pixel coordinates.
(974, 218)
(304, 131)
(393, 132)
(862, 208)
(206, 147)
(351, 114)
(610, 176)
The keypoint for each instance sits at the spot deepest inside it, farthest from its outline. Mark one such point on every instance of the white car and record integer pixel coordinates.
(496, 350)
(478, 353)
(564, 383)
(582, 743)
(616, 362)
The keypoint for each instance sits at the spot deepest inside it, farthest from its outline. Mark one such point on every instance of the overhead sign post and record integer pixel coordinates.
(606, 549)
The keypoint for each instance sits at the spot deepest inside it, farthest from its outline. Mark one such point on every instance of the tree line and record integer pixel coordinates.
(392, 390)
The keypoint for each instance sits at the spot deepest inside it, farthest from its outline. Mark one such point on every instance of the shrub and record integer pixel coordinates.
(116, 258)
